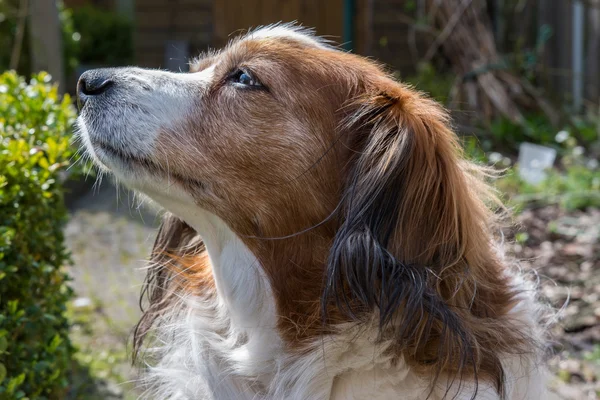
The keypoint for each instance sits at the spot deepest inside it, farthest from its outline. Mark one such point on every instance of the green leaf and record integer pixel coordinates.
(14, 383)
(56, 341)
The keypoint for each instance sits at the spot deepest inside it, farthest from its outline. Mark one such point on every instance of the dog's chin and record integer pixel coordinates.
(136, 171)
(145, 177)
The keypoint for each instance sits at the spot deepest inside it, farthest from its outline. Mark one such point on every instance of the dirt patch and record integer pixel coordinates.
(564, 249)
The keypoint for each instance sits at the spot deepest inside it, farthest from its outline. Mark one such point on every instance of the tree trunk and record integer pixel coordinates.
(593, 56)
(46, 40)
(484, 83)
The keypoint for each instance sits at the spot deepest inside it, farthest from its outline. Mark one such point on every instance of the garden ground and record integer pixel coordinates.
(109, 241)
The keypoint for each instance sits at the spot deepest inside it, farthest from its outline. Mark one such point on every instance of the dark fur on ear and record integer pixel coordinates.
(415, 243)
(175, 240)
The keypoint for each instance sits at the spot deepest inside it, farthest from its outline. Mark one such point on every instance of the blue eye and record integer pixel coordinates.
(244, 78)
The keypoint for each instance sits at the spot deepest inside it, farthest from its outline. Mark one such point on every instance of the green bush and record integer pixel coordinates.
(573, 183)
(106, 37)
(35, 351)
(577, 187)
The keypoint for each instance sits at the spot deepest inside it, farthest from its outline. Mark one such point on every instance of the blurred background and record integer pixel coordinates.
(521, 77)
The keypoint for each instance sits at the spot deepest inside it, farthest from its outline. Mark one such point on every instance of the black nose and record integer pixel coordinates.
(93, 83)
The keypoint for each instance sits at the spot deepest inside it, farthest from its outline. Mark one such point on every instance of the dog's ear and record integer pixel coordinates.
(174, 242)
(414, 227)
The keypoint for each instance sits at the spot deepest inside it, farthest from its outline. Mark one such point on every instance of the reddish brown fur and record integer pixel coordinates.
(276, 163)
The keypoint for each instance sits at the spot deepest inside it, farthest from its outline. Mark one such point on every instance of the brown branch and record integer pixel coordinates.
(452, 22)
(483, 85)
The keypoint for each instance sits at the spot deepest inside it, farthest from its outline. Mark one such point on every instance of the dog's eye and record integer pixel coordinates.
(245, 78)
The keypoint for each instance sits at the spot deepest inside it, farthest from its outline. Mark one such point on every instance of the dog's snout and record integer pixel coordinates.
(93, 83)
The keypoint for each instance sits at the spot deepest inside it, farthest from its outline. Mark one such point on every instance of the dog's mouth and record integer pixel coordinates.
(114, 158)
(109, 155)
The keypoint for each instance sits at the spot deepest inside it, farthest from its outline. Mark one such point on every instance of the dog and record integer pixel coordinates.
(324, 236)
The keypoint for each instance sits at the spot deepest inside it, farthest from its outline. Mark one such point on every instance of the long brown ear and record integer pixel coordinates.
(175, 241)
(415, 241)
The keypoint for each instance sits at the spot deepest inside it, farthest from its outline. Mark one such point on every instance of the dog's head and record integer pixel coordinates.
(236, 135)
(348, 187)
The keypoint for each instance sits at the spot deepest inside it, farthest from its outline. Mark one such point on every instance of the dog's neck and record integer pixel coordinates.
(243, 291)
(241, 286)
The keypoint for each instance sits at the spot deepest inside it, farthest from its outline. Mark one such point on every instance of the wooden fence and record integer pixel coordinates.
(571, 55)
(169, 31)
(231, 16)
